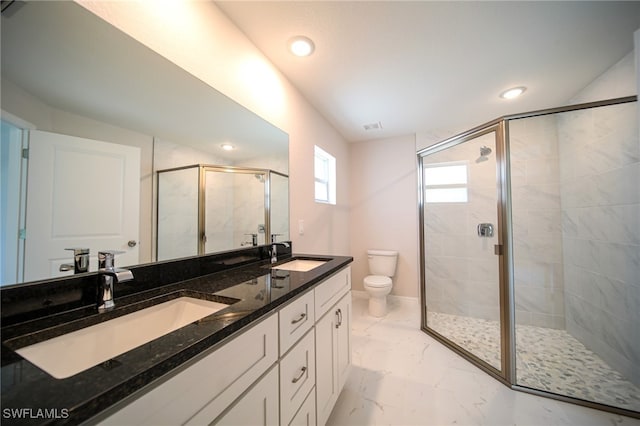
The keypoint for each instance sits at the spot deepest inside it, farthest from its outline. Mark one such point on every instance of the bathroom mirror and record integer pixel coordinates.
(66, 72)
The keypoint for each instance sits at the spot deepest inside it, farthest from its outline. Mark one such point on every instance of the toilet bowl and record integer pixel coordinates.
(382, 266)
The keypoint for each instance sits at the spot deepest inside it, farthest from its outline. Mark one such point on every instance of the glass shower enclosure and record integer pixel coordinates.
(530, 251)
(204, 209)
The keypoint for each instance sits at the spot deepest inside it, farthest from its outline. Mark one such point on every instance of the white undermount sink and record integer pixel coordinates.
(300, 265)
(71, 353)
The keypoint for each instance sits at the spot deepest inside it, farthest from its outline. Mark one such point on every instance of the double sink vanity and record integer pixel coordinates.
(229, 338)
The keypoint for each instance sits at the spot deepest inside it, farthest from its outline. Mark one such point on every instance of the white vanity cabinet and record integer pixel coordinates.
(202, 391)
(314, 371)
(333, 341)
(288, 369)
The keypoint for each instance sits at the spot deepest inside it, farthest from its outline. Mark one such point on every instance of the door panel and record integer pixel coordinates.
(80, 193)
(461, 231)
(178, 214)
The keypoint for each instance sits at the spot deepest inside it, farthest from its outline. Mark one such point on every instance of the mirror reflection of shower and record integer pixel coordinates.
(210, 208)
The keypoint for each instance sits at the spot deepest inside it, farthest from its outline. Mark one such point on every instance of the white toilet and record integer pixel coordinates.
(382, 266)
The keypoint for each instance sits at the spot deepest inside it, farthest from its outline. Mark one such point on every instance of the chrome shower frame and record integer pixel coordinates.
(263, 175)
(507, 373)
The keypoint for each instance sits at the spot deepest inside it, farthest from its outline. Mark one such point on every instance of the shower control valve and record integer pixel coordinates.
(485, 230)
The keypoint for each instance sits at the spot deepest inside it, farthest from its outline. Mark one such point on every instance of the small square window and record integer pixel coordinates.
(325, 176)
(445, 183)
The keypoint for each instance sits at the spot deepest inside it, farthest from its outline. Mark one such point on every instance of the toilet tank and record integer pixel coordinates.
(382, 262)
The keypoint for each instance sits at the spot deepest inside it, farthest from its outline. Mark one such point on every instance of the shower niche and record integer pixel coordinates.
(204, 209)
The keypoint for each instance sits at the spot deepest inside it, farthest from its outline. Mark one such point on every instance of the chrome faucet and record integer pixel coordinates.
(80, 261)
(108, 275)
(274, 249)
(254, 240)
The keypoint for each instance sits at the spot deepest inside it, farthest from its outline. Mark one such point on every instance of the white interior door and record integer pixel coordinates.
(80, 193)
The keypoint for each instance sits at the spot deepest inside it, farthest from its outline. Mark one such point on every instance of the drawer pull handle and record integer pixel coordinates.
(339, 315)
(300, 318)
(297, 379)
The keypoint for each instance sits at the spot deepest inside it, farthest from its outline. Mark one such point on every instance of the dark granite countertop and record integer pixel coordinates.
(255, 290)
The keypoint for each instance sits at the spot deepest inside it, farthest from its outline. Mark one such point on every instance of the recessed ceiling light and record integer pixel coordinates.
(301, 46)
(513, 92)
(227, 147)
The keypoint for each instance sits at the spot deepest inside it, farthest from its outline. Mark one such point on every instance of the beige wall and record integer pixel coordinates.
(383, 210)
(198, 37)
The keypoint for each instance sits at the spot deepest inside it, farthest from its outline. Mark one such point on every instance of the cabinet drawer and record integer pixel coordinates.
(306, 415)
(258, 407)
(297, 377)
(331, 290)
(199, 393)
(295, 320)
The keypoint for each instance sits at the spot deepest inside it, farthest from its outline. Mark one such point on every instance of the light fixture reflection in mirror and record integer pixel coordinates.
(110, 88)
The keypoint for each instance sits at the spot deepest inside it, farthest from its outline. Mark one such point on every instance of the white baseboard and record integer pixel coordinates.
(361, 294)
(405, 299)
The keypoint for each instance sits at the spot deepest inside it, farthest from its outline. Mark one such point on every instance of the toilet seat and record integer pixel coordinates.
(377, 281)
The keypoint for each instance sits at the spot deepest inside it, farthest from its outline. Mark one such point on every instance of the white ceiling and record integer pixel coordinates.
(419, 66)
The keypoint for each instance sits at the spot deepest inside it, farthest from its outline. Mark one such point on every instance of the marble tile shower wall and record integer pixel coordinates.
(219, 212)
(279, 208)
(248, 205)
(183, 234)
(177, 200)
(600, 188)
(536, 216)
(461, 268)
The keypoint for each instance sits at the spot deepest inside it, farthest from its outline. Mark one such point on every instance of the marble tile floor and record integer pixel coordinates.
(401, 376)
(546, 359)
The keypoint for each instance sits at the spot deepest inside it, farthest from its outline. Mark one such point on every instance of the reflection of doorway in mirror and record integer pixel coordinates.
(11, 207)
(81, 193)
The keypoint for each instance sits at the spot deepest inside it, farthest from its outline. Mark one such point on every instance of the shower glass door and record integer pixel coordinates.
(461, 245)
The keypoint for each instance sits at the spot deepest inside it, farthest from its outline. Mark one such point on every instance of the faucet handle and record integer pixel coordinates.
(106, 258)
(78, 251)
(254, 239)
(80, 260)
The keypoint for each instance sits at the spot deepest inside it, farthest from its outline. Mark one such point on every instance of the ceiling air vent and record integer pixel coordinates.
(373, 126)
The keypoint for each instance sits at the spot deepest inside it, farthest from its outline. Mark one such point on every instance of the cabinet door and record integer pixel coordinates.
(258, 407)
(333, 356)
(327, 388)
(343, 340)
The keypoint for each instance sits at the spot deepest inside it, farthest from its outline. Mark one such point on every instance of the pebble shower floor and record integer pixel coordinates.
(546, 359)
